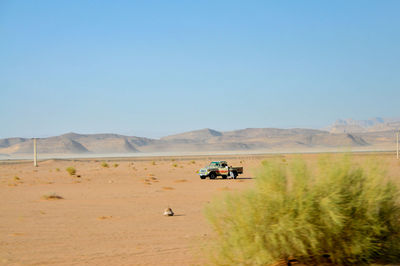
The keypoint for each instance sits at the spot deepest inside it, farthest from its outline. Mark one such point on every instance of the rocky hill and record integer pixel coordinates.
(249, 139)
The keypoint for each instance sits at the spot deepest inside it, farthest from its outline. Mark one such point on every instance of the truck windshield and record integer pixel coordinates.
(214, 164)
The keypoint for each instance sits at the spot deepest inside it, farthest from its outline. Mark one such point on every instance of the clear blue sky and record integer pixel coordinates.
(152, 68)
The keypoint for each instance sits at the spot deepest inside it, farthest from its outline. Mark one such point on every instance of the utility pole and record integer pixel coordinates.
(34, 153)
(397, 134)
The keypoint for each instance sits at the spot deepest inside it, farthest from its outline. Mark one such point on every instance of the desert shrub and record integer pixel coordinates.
(116, 165)
(343, 211)
(175, 165)
(105, 165)
(58, 169)
(153, 163)
(71, 170)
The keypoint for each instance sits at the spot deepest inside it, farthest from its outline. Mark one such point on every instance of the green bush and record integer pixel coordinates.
(342, 212)
(71, 170)
(105, 165)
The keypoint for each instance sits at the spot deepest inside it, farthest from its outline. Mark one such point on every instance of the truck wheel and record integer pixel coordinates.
(224, 177)
(234, 175)
(202, 177)
(213, 176)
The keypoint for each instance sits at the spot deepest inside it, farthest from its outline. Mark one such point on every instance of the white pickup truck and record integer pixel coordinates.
(220, 168)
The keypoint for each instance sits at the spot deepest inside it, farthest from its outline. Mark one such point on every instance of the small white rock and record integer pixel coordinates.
(168, 212)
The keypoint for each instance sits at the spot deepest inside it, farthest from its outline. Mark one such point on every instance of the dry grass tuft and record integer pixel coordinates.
(104, 217)
(71, 170)
(52, 196)
(168, 188)
(180, 181)
(146, 181)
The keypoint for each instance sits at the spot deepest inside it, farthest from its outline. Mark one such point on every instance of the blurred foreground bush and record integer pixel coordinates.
(342, 212)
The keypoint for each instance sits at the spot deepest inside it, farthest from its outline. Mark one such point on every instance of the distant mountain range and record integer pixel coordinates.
(377, 133)
(370, 125)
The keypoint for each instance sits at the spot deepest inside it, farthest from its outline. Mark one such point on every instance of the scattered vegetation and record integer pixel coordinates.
(116, 165)
(180, 181)
(153, 163)
(52, 196)
(71, 170)
(105, 165)
(15, 181)
(104, 217)
(193, 162)
(341, 212)
(175, 165)
(58, 169)
(147, 181)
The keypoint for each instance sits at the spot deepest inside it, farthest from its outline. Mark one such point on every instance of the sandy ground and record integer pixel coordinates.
(113, 215)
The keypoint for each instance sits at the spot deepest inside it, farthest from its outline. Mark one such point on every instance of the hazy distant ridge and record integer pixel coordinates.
(370, 125)
(213, 140)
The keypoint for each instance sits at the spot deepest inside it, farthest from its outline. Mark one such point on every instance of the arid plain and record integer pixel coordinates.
(111, 211)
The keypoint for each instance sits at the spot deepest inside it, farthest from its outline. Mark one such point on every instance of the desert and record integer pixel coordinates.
(199, 133)
(110, 211)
